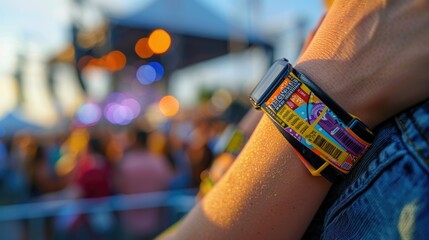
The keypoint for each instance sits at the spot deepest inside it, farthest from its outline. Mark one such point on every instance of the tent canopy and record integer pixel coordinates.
(188, 17)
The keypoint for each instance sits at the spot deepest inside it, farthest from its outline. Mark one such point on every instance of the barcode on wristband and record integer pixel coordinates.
(327, 147)
(348, 141)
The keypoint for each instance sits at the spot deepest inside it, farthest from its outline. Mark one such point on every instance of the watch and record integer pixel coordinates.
(328, 140)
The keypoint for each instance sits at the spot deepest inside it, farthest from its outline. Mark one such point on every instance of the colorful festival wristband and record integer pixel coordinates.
(328, 139)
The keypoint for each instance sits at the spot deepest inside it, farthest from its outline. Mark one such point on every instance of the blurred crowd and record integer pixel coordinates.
(105, 160)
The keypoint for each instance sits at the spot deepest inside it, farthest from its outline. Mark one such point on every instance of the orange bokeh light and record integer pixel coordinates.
(159, 41)
(94, 62)
(169, 106)
(114, 61)
(142, 48)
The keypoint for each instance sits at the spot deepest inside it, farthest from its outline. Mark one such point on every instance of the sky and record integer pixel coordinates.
(42, 25)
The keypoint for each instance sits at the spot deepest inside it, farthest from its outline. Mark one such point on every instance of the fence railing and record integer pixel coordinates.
(34, 215)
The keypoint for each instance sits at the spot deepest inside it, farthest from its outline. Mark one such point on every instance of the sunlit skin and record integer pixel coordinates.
(268, 193)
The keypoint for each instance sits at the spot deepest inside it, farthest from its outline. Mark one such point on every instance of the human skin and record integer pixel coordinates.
(372, 58)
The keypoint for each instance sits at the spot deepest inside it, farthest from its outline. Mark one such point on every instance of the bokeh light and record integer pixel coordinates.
(133, 105)
(221, 99)
(94, 62)
(159, 41)
(159, 69)
(65, 164)
(121, 109)
(118, 114)
(153, 116)
(115, 61)
(89, 114)
(146, 74)
(70, 149)
(88, 39)
(169, 106)
(76, 143)
(142, 48)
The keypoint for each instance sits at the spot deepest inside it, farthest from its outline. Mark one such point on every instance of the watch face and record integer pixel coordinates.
(270, 80)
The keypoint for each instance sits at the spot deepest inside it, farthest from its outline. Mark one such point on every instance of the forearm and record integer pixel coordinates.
(266, 193)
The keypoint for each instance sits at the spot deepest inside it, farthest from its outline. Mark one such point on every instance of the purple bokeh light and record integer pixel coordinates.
(121, 108)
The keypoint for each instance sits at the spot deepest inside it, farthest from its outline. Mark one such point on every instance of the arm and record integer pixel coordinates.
(362, 61)
(267, 192)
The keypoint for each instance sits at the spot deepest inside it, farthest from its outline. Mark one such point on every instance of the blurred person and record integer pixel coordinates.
(141, 171)
(93, 177)
(361, 59)
(12, 181)
(15, 185)
(53, 147)
(18, 167)
(42, 177)
(115, 142)
(198, 150)
(176, 141)
(157, 144)
(38, 182)
(227, 148)
(3, 159)
(30, 170)
(93, 172)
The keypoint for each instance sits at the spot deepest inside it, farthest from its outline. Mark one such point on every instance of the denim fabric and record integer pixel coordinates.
(386, 195)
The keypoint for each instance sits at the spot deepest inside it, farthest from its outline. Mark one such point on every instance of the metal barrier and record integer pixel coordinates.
(34, 215)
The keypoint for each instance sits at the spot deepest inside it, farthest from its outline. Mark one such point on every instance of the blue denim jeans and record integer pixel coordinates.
(386, 195)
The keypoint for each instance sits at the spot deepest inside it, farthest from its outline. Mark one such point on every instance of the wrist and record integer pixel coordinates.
(332, 58)
(370, 69)
(345, 89)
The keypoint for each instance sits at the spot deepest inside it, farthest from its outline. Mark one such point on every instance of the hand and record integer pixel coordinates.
(372, 57)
